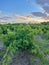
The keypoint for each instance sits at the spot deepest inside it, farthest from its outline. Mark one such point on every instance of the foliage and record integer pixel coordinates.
(20, 37)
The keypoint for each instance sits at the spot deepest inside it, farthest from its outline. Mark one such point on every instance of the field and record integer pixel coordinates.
(24, 44)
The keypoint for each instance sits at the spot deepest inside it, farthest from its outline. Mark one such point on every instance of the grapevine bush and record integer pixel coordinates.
(18, 38)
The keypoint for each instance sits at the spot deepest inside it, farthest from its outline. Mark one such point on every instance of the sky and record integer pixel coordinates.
(24, 10)
(21, 7)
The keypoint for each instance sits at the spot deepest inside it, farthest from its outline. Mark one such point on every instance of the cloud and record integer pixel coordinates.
(1, 20)
(42, 2)
(46, 8)
(5, 17)
(0, 12)
(28, 19)
(24, 18)
(41, 5)
(39, 14)
(18, 17)
(15, 18)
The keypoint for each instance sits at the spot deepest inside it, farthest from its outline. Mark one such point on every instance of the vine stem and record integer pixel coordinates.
(8, 55)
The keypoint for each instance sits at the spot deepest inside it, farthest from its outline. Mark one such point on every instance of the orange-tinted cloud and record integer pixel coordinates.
(29, 19)
(1, 20)
(23, 19)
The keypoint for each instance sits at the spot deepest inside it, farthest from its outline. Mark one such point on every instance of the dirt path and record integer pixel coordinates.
(25, 58)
